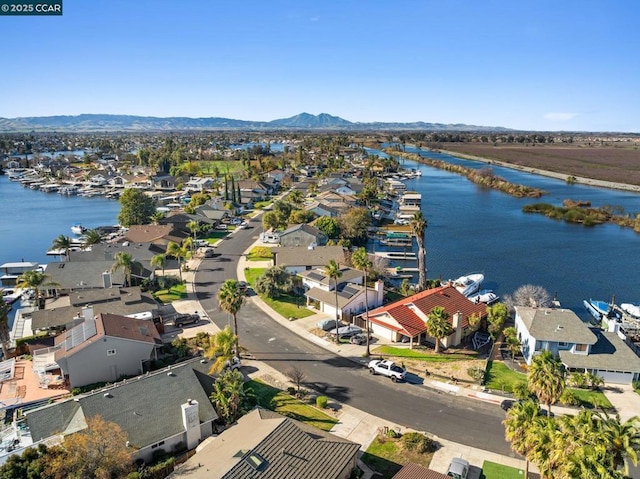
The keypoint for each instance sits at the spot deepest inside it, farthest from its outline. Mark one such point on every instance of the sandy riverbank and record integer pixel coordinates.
(551, 174)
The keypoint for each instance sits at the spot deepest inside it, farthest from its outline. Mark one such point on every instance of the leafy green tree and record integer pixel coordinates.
(329, 226)
(92, 237)
(28, 465)
(296, 197)
(221, 349)
(229, 398)
(136, 208)
(546, 378)
(438, 325)
(354, 225)
(230, 300)
(360, 260)
(512, 341)
(333, 272)
(63, 242)
(418, 226)
(157, 217)
(35, 280)
(405, 288)
(4, 329)
(301, 216)
(273, 282)
(126, 262)
(496, 316)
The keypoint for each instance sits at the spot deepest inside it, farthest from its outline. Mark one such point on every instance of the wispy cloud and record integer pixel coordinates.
(315, 19)
(557, 116)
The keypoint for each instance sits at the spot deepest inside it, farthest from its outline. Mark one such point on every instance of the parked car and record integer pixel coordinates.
(387, 368)
(182, 319)
(458, 469)
(346, 331)
(234, 363)
(222, 227)
(243, 286)
(328, 324)
(359, 339)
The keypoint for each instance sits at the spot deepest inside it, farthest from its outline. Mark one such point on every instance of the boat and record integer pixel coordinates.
(602, 310)
(469, 283)
(631, 309)
(78, 229)
(399, 255)
(485, 296)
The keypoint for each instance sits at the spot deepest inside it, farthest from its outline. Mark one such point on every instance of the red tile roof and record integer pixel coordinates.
(411, 324)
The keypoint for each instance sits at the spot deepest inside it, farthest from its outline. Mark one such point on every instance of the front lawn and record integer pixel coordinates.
(492, 470)
(500, 378)
(386, 456)
(421, 355)
(260, 253)
(214, 236)
(591, 398)
(179, 291)
(287, 305)
(252, 274)
(283, 403)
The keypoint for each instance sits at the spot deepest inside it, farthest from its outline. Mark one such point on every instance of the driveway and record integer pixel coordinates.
(624, 399)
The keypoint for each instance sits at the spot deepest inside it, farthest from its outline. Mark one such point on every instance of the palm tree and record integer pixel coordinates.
(360, 260)
(622, 441)
(513, 343)
(516, 428)
(418, 226)
(221, 349)
(64, 243)
(159, 261)
(333, 271)
(179, 253)
(546, 378)
(544, 441)
(4, 329)
(194, 227)
(91, 237)
(34, 280)
(126, 262)
(157, 217)
(438, 325)
(230, 299)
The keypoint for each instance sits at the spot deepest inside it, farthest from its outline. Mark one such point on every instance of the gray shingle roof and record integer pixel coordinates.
(608, 353)
(300, 256)
(147, 408)
(561, 325)
(319, 275)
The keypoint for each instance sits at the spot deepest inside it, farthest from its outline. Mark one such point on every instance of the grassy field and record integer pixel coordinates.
(500, 378)
(609, 163)
(492, 470)
(420, 355)
(590, 398)
(287, 305)
(386, 456)
(283, 403)
(172, 294)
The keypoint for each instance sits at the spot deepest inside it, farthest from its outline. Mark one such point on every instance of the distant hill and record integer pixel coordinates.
(303, 121)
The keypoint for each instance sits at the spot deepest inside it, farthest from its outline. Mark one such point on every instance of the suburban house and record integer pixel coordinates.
(302, 235)
(67, 311)
(405, 320)
(159, 235)
(579, 347)
(104, 347)
(265, 444)
(198, 185)
(318, 278)
(297, 259)
(11, 271)
(322, 209)
(351, 299)
(162, 412)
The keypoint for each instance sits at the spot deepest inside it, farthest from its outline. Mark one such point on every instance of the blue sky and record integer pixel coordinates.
(540, 65)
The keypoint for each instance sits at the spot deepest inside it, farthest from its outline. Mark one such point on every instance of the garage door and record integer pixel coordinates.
(614, 377)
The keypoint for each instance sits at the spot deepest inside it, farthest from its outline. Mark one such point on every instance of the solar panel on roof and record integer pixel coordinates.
(350, 290)
(80, 333)
(315, 276)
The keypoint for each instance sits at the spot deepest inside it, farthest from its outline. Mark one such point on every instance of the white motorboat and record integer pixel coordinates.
(631, 309)
(469, 283)
(485, 296)
(78, 229)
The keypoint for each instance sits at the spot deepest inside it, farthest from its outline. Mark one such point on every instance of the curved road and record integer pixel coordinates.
(462, 420)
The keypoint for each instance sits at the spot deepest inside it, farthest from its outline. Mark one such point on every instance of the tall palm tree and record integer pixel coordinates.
(544, 441)
(438, 325)
(516, 428)
(179, 253)
(418, 226)
(222, 348)
(91, 237)
(230, 299)
(194, 227)
(4, 329)
(159, 261)
(35, 280)
(546, 378)
(64, 243)
(127, 263)
(360, 260)
(333, 271)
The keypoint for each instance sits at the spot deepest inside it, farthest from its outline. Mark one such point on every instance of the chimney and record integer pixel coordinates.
(191, 422)
(106, 280)
(379, 287)
(457, 325)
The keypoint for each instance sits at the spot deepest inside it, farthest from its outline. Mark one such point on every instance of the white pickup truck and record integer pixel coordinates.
(387, 368)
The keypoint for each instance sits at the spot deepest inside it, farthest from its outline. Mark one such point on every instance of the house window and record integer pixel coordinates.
(581, 347)
(111, 352)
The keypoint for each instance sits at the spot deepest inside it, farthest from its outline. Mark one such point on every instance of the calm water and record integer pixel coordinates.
(476, 230)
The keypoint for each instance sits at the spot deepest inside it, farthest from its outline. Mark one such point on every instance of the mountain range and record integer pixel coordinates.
(303, 121)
